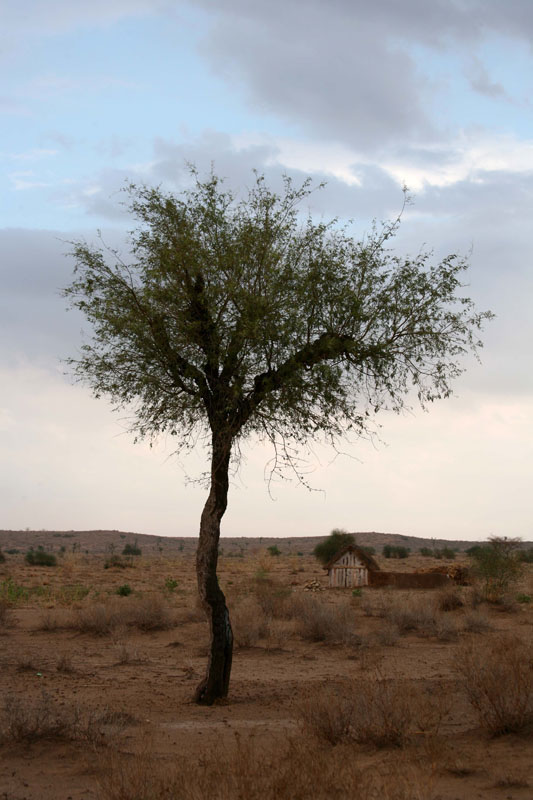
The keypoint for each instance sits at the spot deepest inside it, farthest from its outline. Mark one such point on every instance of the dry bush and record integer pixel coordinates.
(413, 614)
(370, 711)
(446, 629)
(476, 621)
(377, 603)
(30, 719)
(498, 679)
(387, 634)
(449, 599)
(320, 622)
(273, 597)
(249, 623)
(128, 655)
(279, 633)
(5, 614)
(147, 613)
(295, 769)
(64, 664)
(26, 663)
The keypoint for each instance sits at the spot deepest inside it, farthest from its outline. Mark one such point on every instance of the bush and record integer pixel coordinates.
(249, 623)
(370, 711)
(498, 681)
(2, 557)
(40, 558)
(392, 551)
(319, 622)
(337, 540)
(498, 566)
(124, 590)
(171, 584)
(114, 562)
(131, 550)
(274, 550)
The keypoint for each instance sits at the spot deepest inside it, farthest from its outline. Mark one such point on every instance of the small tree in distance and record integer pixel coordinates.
(237, 318)
(324, 551)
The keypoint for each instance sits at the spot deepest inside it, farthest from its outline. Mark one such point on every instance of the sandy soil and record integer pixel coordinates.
(126, 691)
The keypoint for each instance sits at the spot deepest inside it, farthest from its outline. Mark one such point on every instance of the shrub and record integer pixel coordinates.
(498, 680)
(40, 558)
(523, 598)
(370, 711)
(498, 565)
(13, 551)
(449, 599)
(2, 557)
(28, 720)
(274, 550)
(114, 562)
(477, 622)
(124, 590)
(324, 551)
(249, 623)
(171, 584)
(392, 551)
(319, 622)
(131, 550)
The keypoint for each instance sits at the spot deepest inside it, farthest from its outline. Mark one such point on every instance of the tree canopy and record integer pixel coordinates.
(232, 317)
(337, 539)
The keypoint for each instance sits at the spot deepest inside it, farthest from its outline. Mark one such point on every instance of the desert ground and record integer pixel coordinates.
(385, 694)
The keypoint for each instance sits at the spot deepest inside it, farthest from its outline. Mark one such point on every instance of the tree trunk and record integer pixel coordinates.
(215, 685)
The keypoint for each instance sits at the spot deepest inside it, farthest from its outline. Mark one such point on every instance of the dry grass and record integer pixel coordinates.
(449, 599)
(293, 770)
(498, 679)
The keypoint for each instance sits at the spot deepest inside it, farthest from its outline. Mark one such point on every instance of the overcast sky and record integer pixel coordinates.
(366, 96)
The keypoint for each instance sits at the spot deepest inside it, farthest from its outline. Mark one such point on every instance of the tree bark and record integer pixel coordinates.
(215, 685)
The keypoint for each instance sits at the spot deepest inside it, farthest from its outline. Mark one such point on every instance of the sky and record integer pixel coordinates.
(367, 97)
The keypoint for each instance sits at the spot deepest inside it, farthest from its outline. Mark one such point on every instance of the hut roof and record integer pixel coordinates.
(353, 548)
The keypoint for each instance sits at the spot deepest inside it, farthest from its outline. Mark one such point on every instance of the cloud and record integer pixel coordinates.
(352, 71)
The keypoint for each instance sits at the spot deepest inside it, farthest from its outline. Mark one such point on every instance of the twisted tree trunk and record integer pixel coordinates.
(215, 685)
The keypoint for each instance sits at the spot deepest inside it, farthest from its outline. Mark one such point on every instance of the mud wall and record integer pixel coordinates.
(408, 580)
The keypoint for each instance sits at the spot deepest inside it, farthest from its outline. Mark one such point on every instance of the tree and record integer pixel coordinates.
(324, 551)
(232, 318)
(498, 564)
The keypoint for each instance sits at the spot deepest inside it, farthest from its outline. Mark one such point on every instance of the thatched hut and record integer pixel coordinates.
(350, 567)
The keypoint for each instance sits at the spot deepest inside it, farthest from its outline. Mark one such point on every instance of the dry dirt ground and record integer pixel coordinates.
(397, 695)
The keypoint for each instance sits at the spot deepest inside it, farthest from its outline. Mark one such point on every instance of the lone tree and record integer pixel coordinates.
(235, 318)
(325, 550)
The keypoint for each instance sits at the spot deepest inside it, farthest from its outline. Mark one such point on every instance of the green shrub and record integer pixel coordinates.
(393, 551)
(274, 550)
(324, 551)
(357, 592)
(526, 556)
(124, 590)
(131, 550)
(40, 558)
(13, 551)
(523, 598)
(171, 584)
(426, 551)
(498, 565)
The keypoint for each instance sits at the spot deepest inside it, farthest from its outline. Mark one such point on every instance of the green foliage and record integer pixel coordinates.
(40, 558)
(124, 590)
(324, 551)
(13, 551)
(131, 550)
(498, 565)
(240, 316)
(370, 551)
(274, 550)
(12, 592)
(357, 592)
(171, 584)
(523, 598)
(526, 556)
(392, 551)
(445, 552)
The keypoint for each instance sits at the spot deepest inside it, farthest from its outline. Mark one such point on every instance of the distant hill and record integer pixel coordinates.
(114, 541)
